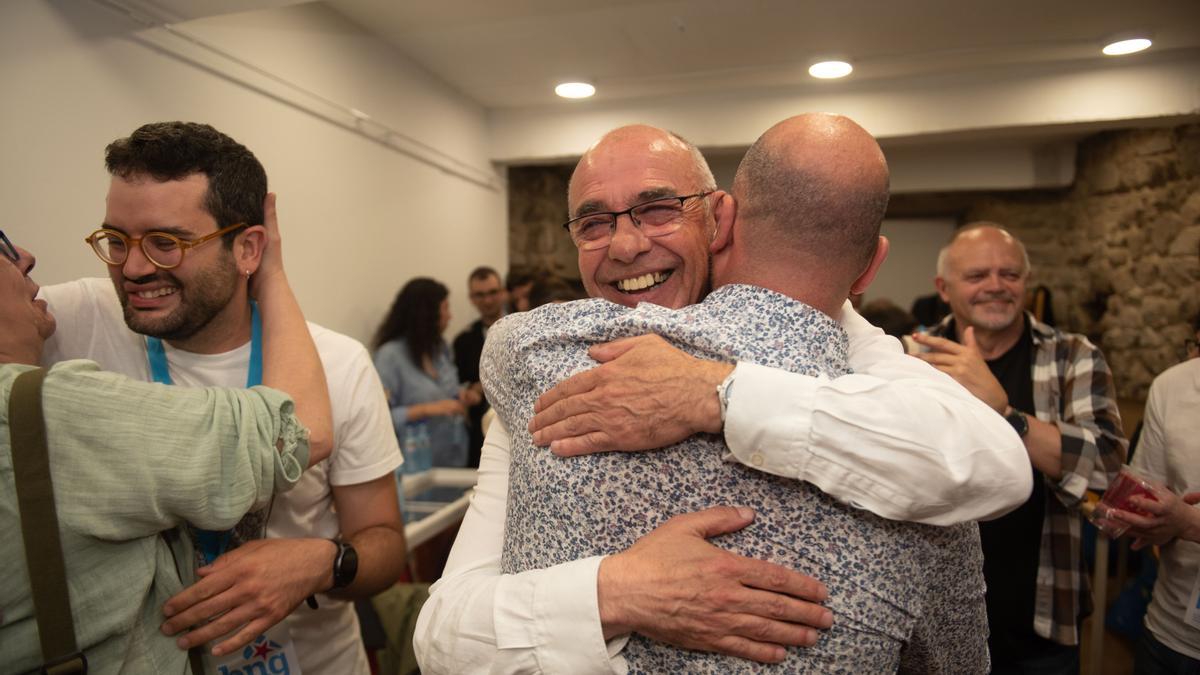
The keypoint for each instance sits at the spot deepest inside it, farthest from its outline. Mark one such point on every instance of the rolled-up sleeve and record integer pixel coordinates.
(154, 456)
(1093, 444)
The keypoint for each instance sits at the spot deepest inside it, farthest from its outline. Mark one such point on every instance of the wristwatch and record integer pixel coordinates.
(1018, 420)
(723, 394)
(345, 564)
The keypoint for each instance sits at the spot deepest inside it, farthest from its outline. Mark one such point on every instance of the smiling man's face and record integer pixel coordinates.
(984, 281)
(627, 167)
(178, 303)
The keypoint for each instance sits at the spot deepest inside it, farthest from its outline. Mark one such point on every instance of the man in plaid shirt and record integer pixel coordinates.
(1057, 391)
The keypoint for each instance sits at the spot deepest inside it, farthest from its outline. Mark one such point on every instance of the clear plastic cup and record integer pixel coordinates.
(1126, 485)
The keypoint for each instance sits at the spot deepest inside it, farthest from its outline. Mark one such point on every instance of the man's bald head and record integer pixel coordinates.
(814, 186)
(978, 231)
(634, 165)
(643, 140)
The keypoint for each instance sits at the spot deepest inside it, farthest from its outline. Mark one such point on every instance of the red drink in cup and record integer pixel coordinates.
(1125, 486)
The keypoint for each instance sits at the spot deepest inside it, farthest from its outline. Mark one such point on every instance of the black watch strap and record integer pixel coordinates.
(345, 564)
(1019, 421)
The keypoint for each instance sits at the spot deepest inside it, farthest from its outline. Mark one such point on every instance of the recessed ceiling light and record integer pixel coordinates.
(829, 70)
(1122, 47)
(575, 90)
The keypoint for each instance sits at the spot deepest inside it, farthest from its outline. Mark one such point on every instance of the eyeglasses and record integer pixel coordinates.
(7, 248)
(655, 218)
(164, 251)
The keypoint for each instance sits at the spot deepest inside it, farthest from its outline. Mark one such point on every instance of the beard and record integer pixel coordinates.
(996, 321)
(200, 300)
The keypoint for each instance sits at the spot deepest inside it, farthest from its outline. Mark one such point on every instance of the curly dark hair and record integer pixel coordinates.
(237, 182)
(414, 317)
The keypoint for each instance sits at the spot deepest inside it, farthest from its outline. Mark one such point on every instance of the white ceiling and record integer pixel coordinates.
(510, 53)
(984, 77)
(506, 54)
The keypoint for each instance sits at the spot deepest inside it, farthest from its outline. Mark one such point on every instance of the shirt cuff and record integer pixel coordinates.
(563, 621)
(766, 398)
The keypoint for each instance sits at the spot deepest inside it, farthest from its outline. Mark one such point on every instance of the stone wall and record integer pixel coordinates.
(1119, 250)
(537, 208)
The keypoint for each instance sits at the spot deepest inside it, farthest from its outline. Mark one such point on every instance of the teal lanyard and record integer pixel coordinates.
(212, 543)
(157, 355)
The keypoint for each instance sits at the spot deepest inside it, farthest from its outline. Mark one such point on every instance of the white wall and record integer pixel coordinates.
(359, 217)
(912, 259)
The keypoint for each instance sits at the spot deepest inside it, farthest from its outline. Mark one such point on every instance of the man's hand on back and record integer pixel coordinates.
(252, 587)
(675, 587)
(645, 394)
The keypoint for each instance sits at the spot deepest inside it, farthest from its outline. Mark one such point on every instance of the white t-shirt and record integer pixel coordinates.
(1169, 451)
(91, 325)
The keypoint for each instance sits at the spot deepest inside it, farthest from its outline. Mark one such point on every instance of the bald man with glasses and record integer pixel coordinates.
(895, 438)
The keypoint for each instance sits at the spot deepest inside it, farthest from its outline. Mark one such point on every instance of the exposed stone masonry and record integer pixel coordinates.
(1120, 249)
(537, 208)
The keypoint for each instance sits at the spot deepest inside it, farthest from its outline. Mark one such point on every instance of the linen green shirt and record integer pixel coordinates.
(131, 461)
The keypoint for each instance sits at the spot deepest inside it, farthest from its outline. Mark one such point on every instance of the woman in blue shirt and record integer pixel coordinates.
(418, 372)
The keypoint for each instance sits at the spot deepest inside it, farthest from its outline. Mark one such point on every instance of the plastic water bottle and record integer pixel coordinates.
(418, 451)
(425, 456)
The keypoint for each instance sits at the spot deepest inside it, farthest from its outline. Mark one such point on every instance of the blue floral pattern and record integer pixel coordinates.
(904, 596)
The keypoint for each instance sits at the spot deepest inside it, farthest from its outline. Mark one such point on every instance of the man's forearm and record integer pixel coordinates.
(910, 445)
(291, 363)
(1044, 443)
(897, 438)
(381, 560)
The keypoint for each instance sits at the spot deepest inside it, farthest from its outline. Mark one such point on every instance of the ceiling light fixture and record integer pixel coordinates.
(575, 90)
(830, 70)
(1122, 47)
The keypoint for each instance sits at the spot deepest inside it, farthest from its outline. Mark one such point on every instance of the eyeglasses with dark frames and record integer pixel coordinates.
(655, 218)
(163, 250)
(7, 248)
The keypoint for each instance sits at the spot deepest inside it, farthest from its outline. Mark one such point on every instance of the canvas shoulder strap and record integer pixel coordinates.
(39, 527)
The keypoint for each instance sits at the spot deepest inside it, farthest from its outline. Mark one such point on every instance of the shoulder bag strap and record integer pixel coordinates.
(39, 527)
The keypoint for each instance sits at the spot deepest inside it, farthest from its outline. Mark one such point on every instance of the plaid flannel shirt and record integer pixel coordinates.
(1072, 389)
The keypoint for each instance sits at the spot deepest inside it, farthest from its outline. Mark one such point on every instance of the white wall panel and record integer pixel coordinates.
(359, 217)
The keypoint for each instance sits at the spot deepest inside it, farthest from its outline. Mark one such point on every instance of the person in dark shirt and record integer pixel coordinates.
(1057, 391)
(489, 297)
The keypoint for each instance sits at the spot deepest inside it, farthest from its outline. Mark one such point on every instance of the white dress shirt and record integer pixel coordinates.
(897, 438)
